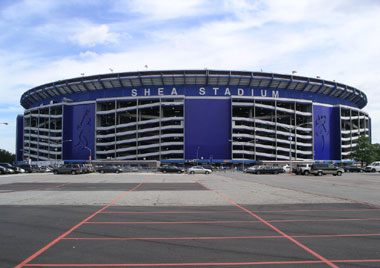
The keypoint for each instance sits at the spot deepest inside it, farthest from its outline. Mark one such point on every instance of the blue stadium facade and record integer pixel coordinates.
(178, 116)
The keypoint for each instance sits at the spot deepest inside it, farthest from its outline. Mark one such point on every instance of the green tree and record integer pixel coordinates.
(364, 151)
(377, 151)
(6, 156)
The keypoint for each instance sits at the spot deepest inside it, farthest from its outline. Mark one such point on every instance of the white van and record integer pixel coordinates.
(373, 167)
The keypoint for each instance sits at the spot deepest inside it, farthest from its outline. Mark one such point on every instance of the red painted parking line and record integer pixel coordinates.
(323, 220)
(233, 211)
(171, 264)
(49, 245)
(165, 222)
(194, 264)
(312, 252)
(219, 237)
(251, 221)
(357, 261)
(171, 212)
(316, 210)
(63, 184)
(335, 235)
(174, 238)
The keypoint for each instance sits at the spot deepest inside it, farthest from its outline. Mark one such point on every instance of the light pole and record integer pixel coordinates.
(89, 157)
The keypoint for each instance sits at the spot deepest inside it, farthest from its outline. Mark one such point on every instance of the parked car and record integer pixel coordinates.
(9, 171)
(251, 169)
(199, 170)
(320, 169)
(265, 170)
(68, 169)
(171, 169)
(208, 167)
(130, 169)
(87, 168)
(35, 168)
(45, 169)
(3, 170)
(14, 168)
(373, 167)
(287, 168)
(279, 169)
(25, 167)
(303, 169)
(353, 169)
(109, 169)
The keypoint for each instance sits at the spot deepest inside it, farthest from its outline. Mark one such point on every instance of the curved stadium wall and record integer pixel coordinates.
(179, 116)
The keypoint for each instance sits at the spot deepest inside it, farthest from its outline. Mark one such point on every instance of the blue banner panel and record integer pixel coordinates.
(326, 133)
(20, 138)
(79, 134)
(198, 91)
(207, 129)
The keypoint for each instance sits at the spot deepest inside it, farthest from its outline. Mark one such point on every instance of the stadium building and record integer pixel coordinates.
(181, 116)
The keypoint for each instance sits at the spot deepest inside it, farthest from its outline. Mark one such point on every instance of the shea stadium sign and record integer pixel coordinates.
(203, 91)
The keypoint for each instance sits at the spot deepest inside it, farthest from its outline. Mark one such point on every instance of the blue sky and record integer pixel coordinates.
(46, 40)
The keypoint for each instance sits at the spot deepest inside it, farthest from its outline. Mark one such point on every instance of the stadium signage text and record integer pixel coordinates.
(204, 91)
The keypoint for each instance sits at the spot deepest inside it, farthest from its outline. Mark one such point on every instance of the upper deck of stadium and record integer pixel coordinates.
(57, 91)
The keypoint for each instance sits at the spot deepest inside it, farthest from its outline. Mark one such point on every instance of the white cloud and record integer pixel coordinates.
(93, 35)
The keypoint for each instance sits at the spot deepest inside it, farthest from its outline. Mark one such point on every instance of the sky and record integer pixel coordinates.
(43, 41)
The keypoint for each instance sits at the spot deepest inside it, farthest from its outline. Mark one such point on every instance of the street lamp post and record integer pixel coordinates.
(89, 157)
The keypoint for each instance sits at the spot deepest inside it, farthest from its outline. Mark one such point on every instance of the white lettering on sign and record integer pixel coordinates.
(174, 91)
(275, 94)
(134, 92)
(207, 91)
(147, 92)
(202, 91)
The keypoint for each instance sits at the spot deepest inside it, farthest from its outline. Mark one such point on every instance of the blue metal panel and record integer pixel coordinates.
(207, 129)
(67, 134)
(326, 133)
(20, 138)
(79, 127)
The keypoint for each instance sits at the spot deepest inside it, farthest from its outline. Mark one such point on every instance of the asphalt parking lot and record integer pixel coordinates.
(167, 220)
